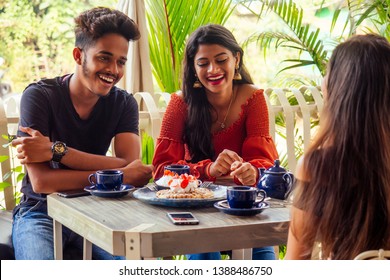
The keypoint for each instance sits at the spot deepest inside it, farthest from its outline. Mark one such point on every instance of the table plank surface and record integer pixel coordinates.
(105, 221)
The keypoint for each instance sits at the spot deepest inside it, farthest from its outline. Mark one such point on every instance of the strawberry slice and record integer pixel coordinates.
(184, 183)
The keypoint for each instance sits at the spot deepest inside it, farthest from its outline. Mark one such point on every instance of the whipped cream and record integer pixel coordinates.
(163, 181)
(183, 183)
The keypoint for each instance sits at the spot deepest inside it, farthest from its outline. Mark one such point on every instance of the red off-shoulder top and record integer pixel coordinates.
(249, 137)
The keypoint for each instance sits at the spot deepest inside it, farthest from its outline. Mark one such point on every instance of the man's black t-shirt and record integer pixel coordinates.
(47, 107)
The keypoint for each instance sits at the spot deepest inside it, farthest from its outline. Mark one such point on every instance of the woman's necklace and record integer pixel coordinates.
(223, 124)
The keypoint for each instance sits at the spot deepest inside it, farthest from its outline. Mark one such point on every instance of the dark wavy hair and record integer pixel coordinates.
(346, 197)
(95, 23)
(197, 133)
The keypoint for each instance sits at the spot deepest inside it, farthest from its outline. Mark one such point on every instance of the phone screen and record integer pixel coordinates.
(183, 218)
(73, 193)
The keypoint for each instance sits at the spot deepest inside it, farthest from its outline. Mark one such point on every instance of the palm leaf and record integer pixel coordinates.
(299, 63)
(360, 10)
(170, 22)
(302, 37)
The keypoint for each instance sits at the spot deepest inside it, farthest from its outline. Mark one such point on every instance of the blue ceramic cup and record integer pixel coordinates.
(178, 168)
(106, 180)
(241, 197)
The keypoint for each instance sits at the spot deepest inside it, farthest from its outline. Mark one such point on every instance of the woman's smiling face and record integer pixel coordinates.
(215, 66)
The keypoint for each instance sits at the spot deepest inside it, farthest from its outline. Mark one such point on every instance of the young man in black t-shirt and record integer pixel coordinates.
(66, 127)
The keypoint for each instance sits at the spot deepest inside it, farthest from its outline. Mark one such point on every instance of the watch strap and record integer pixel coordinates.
(56, 157)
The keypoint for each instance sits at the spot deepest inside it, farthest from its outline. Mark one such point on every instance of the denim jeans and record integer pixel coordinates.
(263, 253)
(32, 235)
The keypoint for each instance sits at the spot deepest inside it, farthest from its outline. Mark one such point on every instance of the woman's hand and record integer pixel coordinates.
(223, 163)
(245, 172)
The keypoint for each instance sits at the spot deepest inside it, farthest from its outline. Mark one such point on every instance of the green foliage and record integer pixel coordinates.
(304, 37)
(374, 15)
(37, 38)
(16, 174)
(169, 26)
(147, 148)
(282, 251)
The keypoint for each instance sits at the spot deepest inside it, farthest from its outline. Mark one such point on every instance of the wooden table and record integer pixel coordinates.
(128, 227)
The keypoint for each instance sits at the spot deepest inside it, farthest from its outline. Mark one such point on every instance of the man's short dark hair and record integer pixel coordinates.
(97, 22)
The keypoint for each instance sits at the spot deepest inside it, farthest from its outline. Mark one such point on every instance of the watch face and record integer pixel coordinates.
(59, 148)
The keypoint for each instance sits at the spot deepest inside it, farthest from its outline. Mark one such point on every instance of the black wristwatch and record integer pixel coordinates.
(59, 149)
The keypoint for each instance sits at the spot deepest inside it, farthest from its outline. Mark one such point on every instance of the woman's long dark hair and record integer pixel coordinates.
(347, 194)
(198, 126)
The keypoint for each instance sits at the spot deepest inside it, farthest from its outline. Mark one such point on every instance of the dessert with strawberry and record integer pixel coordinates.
(182, 186)
(183, 183)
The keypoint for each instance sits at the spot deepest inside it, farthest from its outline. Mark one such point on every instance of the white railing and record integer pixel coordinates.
(8, 124)
(297, 130)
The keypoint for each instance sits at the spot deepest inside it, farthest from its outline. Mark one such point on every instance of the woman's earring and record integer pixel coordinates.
(237, 75)
(197, 84)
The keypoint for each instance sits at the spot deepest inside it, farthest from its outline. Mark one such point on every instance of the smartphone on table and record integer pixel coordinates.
(182, 218)
(73, 193)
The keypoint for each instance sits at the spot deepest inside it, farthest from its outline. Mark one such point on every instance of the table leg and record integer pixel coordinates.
(133, 241)
(87, 249)
(242, 254)
(57, 235)
(133, 245)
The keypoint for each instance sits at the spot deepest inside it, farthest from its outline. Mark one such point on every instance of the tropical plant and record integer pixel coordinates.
(147, 148)
(37, 37)
(170, 22)
(301, 36)
(375, 12)
(12, 178)
(305, 37)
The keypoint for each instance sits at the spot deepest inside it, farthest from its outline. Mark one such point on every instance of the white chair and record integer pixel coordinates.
(380, 254)
(149, 114)
(11, 106)
(162, 100)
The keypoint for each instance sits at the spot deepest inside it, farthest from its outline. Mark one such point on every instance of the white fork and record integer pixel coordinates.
(152, 187)
(205, 184)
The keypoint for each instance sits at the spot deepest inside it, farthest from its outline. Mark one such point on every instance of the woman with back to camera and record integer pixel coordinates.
(343, 194)
(218, 124)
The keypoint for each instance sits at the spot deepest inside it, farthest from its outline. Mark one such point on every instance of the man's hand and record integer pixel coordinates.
(223, 163)
(245, 172)
(34, 149)
(137, 174)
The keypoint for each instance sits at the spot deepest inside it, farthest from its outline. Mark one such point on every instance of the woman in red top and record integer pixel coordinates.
(218, 124)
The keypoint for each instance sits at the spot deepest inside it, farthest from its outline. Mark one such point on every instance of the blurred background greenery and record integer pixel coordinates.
(37, 36)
